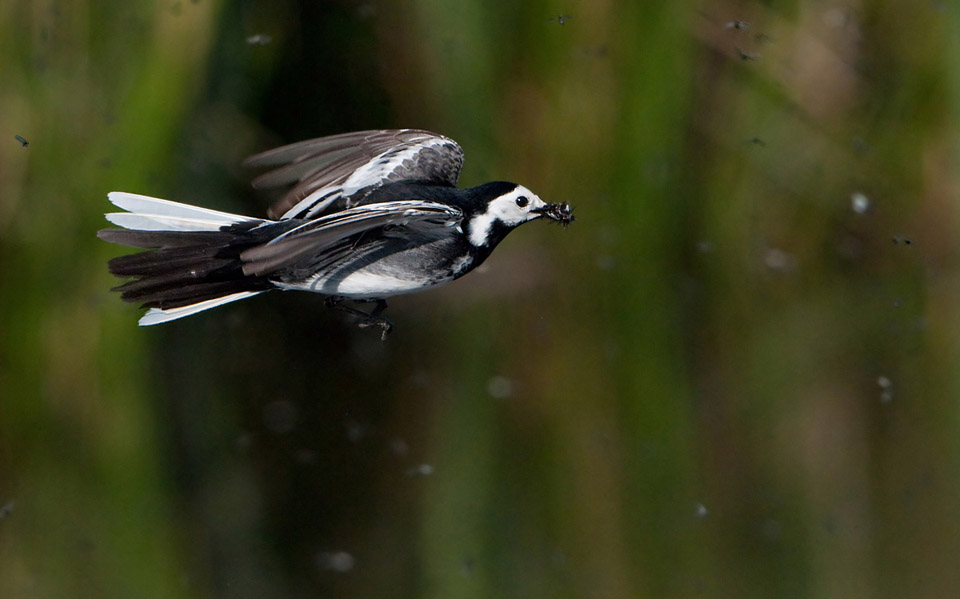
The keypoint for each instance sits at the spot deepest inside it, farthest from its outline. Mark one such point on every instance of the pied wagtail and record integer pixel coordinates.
(370, 214)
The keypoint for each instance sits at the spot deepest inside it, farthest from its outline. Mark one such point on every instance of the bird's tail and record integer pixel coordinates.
(194, 263)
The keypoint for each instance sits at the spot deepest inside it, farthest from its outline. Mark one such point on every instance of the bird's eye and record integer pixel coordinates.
(522, 201)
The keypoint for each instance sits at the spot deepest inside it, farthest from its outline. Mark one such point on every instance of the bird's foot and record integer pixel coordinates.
(377, 321)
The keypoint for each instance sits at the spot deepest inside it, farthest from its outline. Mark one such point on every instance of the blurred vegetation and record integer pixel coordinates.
(734, 376)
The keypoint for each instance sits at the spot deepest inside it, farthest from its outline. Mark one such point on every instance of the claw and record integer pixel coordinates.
(377, 321)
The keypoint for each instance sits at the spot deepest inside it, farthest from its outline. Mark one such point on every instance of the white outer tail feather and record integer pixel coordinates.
(158, 316)
(153, 214)
(145, 213)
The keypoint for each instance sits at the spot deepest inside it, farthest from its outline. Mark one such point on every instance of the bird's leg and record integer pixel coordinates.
(367, 319)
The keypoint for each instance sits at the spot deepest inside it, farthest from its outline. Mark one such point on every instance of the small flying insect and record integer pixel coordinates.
(260, 39)
(560, 19)
(22, 141)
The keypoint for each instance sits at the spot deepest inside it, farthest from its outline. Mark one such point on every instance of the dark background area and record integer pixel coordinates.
(735, 375)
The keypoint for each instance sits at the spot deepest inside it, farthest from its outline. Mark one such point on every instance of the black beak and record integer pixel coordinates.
(562, 213)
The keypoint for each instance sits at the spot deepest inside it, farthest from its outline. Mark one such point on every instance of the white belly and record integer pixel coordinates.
(364, 284)
(387, 276)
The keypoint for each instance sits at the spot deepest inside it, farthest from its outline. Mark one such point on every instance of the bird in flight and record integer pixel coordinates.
(368, 215)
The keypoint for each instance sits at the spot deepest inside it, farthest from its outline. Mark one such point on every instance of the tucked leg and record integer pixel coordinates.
(367, 319)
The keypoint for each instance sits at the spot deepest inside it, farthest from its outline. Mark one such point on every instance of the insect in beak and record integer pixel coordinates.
(560, 212)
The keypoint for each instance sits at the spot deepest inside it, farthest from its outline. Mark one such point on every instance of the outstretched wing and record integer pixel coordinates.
(316, 237)
(325, 170)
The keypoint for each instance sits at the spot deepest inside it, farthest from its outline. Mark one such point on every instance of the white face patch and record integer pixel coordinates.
(512, 209)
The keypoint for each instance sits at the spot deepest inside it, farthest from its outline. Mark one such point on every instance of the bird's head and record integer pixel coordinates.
(506, 206)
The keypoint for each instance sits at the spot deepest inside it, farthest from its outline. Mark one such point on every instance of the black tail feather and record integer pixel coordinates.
(166, 260)
(169, 297)
(182, 268)
(166, 239)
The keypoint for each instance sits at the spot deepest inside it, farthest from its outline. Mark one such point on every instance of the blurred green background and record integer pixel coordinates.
(736, 375)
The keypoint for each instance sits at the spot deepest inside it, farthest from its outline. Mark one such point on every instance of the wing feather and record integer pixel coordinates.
(328, 169)
(315, 237)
